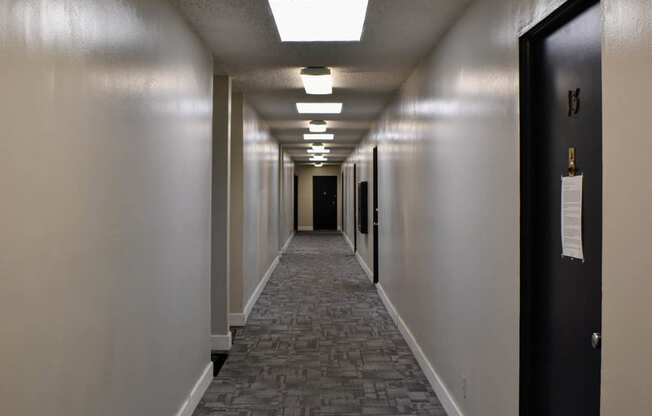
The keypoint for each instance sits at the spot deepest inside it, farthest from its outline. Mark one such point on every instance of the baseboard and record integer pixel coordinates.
(188, 407)
(348, 241)
(305, 228)
(221, 342)
(237, 319)
(367, 270)
(240, 319)
(287, 243)
(446, 399)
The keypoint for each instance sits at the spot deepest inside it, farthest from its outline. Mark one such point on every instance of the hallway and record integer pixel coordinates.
(196, 196)
(319, 342)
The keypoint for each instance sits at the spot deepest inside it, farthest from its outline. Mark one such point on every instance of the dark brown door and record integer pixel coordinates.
(562, 297)
(325, 202)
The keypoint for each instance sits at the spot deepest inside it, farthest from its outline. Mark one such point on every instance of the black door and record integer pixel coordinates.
(561, 297)
(343, 200)
(375, 212)
(355, 209)
(296, 203)
(324, 202)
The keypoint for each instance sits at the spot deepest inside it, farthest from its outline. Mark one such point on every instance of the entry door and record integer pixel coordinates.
(375, 213)
(325, 202)
(562, 296)
(355, 208)
(296, 203)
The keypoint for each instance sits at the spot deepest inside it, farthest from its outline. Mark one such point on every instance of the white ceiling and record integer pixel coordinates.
(246, 45)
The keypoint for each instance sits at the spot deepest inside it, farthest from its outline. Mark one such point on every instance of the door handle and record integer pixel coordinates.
(596, 340)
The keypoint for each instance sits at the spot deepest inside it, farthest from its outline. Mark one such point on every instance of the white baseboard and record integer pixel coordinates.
(306, 228)
(348, 241)
(240, 319)
(445, 397)
(188, 407)
(237, 319)
(367, 270)
(221, 342)
(287, 243)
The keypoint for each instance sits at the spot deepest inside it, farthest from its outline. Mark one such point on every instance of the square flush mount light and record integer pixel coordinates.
(318, 151)
(317, 80)
(318, 126)
(319, 108)
(319, 137)
(319, 20)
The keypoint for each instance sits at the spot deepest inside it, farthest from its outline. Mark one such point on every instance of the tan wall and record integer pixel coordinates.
(286, 177)
(449, 204)
(306, 173)
(236, 290)
(105, 212)
(260, 235)
(220, 198)
(627, 273)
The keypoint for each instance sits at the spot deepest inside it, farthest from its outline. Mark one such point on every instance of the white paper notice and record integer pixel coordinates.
(571, 217)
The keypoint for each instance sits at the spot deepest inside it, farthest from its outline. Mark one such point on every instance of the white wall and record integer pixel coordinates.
(449, 198)
(105, 184)
(261, 200)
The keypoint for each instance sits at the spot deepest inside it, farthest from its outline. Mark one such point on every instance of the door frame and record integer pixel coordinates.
(295, 203)
(560, 16)
(315, 179)
(374, 216)
(355, 208)
(340, 226)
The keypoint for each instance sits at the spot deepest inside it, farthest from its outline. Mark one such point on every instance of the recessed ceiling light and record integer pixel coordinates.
(318, 126)
(319, 151)
(319, 137)
(319, 108)
(319, 20)
(318, 159)
(317, 80)
(318, 165)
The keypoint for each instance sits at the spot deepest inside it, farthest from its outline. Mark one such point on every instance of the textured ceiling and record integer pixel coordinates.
(246, 45)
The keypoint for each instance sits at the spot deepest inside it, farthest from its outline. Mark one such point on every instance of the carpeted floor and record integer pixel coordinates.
(319, 342)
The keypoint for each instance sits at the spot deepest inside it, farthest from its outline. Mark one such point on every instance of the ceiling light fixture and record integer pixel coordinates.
(319, 137)
(318, 159)
(319, 20)
(317, 80)
(318, 126)
(319, 108)
(318, 165)
(318, 151)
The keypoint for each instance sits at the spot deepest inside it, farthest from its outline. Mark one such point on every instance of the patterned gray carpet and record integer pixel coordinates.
(319, 342)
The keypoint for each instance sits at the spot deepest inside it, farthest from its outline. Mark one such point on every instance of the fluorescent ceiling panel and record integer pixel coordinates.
(318, 165)
(318, 126)
(318, 159)
(319, 137)
(319, 20)
(317, 80)
(319, 108)
(315, 151)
